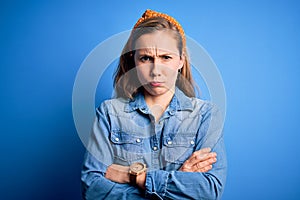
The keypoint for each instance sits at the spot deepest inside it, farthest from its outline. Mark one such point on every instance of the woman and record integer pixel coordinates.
(155, 140)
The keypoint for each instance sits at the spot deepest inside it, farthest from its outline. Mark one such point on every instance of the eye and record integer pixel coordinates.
(166, 57)
(146, 59)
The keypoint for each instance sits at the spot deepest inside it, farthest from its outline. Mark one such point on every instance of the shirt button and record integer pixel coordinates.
(170, 142)
(154, 148)
(138, 140)
(192, 142)
(117, 139)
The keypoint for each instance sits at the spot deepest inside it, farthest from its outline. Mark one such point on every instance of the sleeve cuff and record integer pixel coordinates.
(156, 183)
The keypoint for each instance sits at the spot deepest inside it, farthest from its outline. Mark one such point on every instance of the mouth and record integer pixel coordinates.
(156, 84)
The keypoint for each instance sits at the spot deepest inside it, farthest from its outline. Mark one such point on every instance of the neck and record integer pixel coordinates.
(158, 104)
(161, 100)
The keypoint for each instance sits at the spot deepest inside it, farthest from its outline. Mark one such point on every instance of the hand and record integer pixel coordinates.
(118, 173)
(200, 161)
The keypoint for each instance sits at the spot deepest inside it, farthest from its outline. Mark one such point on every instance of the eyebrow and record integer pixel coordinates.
(149, 51)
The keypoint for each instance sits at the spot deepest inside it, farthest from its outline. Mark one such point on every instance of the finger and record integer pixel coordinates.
(205, 169)
(199, 165)
(203, 164)
(202, 151)
(197, 153)
(201, 157)
(117, 167)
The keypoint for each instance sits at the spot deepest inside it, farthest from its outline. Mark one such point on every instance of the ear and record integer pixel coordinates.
(182, 61)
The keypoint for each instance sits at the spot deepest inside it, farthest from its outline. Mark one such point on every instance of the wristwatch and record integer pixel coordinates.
(136, 169)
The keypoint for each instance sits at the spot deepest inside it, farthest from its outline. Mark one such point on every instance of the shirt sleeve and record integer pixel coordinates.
(98, 157)
(195, 185)
(95, 186)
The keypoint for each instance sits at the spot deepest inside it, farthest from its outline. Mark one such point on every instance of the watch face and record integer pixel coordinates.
(136, 167)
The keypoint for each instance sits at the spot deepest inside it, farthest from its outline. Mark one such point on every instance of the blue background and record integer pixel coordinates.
(255, 45)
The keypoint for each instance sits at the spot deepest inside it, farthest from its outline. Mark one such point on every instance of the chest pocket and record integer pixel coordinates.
(177, 150)
(127, 147)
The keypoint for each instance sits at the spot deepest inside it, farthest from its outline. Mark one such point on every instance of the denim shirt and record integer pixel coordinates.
(125, 132)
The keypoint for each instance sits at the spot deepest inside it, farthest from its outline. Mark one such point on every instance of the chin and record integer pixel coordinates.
(156, 91)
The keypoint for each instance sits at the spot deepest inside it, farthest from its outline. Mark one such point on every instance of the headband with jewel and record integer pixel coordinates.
(148, 14)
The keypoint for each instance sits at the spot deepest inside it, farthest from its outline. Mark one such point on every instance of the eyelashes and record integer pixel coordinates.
(146, 58)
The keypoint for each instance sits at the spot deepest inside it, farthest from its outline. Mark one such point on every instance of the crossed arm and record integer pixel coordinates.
(201, 176)
(199, 161)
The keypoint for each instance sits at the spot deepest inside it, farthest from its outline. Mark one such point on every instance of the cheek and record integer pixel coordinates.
(142, 73)
(171, 71)
(174, 65)
(173, 77)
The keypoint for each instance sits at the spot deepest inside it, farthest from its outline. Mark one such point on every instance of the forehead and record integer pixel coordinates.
(158, 40)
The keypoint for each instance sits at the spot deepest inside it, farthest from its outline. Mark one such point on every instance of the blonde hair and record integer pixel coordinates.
(126, 82)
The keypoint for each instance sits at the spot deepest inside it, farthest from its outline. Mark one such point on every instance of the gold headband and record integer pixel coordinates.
(148, 14)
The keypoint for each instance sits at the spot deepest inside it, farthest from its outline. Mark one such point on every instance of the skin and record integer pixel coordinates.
(157, 62)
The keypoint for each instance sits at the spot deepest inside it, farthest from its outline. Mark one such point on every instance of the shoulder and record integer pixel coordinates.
(113, 105)
(195, 106)
(203, 107)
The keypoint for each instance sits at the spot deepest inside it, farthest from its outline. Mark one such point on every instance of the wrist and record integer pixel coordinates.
(137, 174)
(141, 180)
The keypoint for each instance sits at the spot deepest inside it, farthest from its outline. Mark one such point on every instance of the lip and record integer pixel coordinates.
(156, 84)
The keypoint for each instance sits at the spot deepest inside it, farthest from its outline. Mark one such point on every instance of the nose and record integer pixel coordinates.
(156, 68)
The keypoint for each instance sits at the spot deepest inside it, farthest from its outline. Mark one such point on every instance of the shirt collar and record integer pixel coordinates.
(179, 102)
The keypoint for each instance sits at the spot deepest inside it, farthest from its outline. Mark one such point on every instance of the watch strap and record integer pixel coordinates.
(132, 178)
